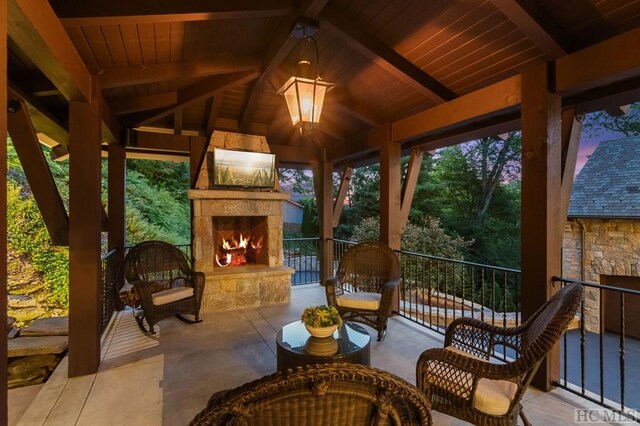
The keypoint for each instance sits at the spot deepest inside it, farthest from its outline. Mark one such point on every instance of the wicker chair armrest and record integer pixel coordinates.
(481, 337)
(144, 290)
(333, 289)
(387, 291)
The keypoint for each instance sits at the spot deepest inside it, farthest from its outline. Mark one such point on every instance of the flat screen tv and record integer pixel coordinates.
(243, 169)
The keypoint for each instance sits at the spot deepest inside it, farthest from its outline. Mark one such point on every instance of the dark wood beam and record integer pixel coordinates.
(113, 12)
(197, 154)
(542, 228)
(151, 73)
(343, 103)
(295, 155)
(338, 204)
(143, 103)
(231, 125)
(197, 92)
(177, 122)
(38, 174)
(280, 46)
(110, 126)
(85, 322)
(605, 63)
(214, 112)
(394, 63)
(323, 186)
(618, 111)
(571, 134)
(536, 25)
(36, 30)
(409, 185)
(159, 141)
(116, 193)
(481, 104)
(390, 203)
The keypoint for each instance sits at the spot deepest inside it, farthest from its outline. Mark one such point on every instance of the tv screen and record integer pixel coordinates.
(243, 169)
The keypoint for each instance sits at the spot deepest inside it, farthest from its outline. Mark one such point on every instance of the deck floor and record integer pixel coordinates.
(166, 379)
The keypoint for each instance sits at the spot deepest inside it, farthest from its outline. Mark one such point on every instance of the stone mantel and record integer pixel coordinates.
(226, 194)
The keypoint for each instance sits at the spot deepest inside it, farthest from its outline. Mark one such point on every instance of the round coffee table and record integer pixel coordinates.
(296, 347)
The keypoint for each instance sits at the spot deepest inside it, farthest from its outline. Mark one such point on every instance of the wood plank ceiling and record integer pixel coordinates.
(389, 59)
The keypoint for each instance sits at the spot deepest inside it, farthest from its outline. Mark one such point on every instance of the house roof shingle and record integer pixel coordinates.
(608, 186)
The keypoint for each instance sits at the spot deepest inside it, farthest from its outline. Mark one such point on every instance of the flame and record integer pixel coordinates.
(257, 244)
(227, 258)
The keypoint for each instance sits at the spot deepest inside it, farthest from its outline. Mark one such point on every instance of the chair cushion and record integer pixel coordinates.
(359, 300)
(171, 295)
(492, 397)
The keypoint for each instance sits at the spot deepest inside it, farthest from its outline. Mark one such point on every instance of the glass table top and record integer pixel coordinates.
(348, 338)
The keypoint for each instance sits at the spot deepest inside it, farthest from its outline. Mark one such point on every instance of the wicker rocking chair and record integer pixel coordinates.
(460, 381)
(365, 285)
(333, 394)
(165, 283)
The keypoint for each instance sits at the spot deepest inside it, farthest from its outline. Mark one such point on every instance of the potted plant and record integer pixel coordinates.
(321, 321)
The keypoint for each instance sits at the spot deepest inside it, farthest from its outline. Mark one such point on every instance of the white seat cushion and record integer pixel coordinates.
(370, 301)
(492, 396)
(171, 295)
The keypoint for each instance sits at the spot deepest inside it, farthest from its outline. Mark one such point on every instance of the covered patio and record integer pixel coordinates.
(155, 80)
(167, 379)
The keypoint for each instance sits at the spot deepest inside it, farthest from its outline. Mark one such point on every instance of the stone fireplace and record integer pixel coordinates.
(237, 237)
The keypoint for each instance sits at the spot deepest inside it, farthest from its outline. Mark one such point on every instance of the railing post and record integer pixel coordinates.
(116, 220)
(541, 192)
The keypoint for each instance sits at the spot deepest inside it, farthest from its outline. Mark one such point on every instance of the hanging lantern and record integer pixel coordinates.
(305, 91)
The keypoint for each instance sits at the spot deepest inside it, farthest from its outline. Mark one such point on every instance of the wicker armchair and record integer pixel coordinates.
(365, 287)
(165, 283)
(459, 379)
(333, 394)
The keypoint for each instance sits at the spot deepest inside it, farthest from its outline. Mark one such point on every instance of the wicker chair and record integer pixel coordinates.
(366, 285)
(165, 283)
(330, 394)
(459, 379)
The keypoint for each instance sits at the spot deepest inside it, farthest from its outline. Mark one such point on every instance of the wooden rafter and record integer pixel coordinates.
(214, 111)
(409, 185)
(197, 92)
(279, 48)
(384, 55)
(34, 27)
(105, 12)
(143, 103)
(571, 133)
(37, 171)
(151, 73)
(538, 27)
(338, 204)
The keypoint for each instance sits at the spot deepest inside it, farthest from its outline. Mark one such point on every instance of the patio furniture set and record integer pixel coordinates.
(329, 381)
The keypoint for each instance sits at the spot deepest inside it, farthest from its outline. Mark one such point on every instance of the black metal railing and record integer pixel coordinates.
(109, 266)
(303, 255)
(601, 358)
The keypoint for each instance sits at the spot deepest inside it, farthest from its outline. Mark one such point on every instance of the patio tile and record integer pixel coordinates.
(19, 401)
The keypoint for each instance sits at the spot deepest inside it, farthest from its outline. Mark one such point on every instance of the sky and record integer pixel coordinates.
(588, 144)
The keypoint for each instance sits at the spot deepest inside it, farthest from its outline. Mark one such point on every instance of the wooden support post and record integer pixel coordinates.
(117, 210)
(571, 133)
(323, 185)
(342, 193)
(390, 227)
(3, 213)
(541, 183)
(37, 171)
(84, 236)
(409, 185)
(197, 151)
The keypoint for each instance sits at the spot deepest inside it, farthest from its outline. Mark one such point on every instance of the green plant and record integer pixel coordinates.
(321, 316)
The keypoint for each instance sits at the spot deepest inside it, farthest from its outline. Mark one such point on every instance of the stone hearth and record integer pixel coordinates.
(263, 281)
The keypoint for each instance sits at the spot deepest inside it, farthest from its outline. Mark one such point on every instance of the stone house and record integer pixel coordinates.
(602, 235)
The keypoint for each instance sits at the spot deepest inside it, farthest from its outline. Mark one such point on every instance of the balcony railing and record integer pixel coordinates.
(599, 360)
(302, 254)
(108, 294)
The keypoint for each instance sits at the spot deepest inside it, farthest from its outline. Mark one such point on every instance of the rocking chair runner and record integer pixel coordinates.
(165, 283)
(365, 285)
(459, 379)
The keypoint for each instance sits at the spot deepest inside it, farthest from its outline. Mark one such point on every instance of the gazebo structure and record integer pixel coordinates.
(154, 79)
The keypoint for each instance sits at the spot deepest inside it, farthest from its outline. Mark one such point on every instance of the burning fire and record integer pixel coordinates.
(238, 252)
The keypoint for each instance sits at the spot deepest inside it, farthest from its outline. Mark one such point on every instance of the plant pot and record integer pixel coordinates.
(321, 331)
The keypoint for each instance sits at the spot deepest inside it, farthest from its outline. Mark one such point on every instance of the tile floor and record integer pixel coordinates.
(167, 378)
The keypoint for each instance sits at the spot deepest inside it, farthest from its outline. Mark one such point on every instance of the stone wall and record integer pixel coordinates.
(611, 247)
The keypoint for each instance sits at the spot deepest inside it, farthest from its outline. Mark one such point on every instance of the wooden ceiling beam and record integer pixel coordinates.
(194, 93)
(537, 26)
(295, 155)
(143, 103)
(492, 100)
(107, 12)
(231, 125)
(281, 45)
(41, 182)
(34, 28)
(383, 55)
(214, 112)
(110, 126)
(151, 73)
(605, 63)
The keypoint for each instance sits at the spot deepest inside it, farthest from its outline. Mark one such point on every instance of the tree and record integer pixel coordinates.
(297, 182)
(628, 124)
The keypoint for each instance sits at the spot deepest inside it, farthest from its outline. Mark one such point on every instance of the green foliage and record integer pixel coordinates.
(321, 316)
(310, 226)
(628, 124)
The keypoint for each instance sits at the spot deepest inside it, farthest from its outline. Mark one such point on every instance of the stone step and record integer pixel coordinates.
(25, 346)
(54, 326)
